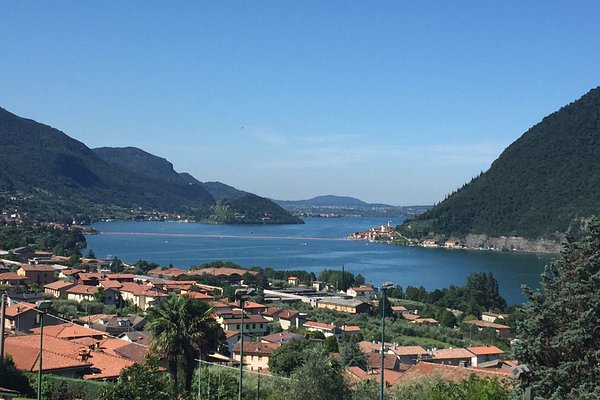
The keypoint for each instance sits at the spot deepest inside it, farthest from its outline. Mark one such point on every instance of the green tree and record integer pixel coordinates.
(14, 379)
(317, 379)
(560, 334)
(183, 330)
(351, 354)
(138, 382)
(331, 345)
(289, 356)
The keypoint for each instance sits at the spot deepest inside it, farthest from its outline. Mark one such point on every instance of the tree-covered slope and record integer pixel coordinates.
(544, 183)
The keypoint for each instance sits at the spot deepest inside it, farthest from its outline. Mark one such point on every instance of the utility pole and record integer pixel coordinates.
(2, 315)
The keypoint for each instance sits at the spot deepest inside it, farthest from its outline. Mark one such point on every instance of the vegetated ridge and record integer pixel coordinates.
(46, 173)
(331, 205)
(541, 188)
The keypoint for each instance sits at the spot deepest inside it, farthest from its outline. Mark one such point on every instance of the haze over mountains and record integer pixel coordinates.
(542, 186)
(60, 176)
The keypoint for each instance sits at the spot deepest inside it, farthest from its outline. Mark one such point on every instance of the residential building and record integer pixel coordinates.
(289, 319)
(483, 354)
(501, 330)
(141, 296)
(456, 357)
(37, 274)
(409, 355)
(280, 338)
(293, 280)
(253, 324)
(362, 290)
(350, 306)
(326, 329)
(58, 288)
(256, 355)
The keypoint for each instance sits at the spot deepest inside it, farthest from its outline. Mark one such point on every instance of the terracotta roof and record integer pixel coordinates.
(83, 289)
(447, 372)
(319, 325)
(363, 289)
(120, 276)
(255, 348)
(411, 317)
(141, 290)
(408, 350)
(198, 296)
(170, 272)
(223, 271)
(86, 276)
(431, 321)
(450, 354)
(281, 337)
(287, 314)
(399, 309)
(70, 271)
(390, 361)
(486, 324)
(133, 351)
(249, 319)
(37, 268)
(57, 285)
(108, 284)
(249, 305)
(272, 311)
(19, 308)
(485, 350)
(390, 377)
(230, 334)
(11, 276)
(58, 354)
(68, 330)
(351, 328)
(370, 347)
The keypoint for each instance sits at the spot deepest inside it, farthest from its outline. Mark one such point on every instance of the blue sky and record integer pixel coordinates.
(389, 101)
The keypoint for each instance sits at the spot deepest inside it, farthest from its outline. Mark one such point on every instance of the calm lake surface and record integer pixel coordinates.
(319, 244)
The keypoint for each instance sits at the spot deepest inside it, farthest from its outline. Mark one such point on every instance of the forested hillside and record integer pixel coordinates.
(542, 186)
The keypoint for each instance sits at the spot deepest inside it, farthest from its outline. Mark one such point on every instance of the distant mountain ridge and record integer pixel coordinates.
(325, 201)
(48, 172)
(542, 186)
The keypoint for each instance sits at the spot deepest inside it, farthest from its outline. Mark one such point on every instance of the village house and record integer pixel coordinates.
(253, 324)
(12, 279)
(409, 355)
(58, 288)
(350, 306)
(229, 275)
(289, 319)
(501, 330)
(37, 274)
(171, 273)
(429, 243)
(251, 307)
(326, 329)
(362, 290)
(293, 280)
(390, 362)
(81, 293)
(141, 296)
(271, 314)
(256, 355)
(489, 316)
(21, 317)
(483, 354)
(232, 337)
(399, 309)
(280, 338)
(113, 324)
(455, 357)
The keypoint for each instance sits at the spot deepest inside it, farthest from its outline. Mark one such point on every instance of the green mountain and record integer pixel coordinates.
(542, 186)
(46, 173)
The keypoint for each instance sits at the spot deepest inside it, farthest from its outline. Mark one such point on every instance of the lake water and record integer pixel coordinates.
(319, 244)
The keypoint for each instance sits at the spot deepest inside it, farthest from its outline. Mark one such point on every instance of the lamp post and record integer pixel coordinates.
(384, 287)
(241, 295)
(42, 308)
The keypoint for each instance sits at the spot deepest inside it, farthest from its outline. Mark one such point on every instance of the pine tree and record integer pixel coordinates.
(560, 335)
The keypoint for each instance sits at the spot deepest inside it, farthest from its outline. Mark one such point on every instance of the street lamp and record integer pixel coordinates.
(241, 295)
(384, 287)
(42, 308)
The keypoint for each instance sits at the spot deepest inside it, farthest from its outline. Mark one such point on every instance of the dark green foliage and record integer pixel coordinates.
(543, 183)
(560, 335)
(250, 209)
(351, 354)
(138, 382)
(14, 379)
(473, 388)
(183, 330)
(336, 279)
(305, 277)
(39, 237)
(330, 344)
(317, 379)
(290, 356)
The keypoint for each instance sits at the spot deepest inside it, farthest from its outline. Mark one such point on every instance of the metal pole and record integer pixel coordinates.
(199, 378)
(381, 384)
(258, 387)
(39, 388)
(241, 352)
(2, 314)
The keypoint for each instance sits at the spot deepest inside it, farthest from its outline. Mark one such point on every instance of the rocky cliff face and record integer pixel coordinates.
(512, 243)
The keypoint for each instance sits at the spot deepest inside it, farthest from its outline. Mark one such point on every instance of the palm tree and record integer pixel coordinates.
(183, 329)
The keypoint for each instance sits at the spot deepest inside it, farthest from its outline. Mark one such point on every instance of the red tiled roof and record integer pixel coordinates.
(57, 285)
(280, 337)
(351, 328)
(37, 268)
(411, 317)
(248, 305)
(447, 372)
(11, 276)
(68, 330)
(255, 348)
(198, 296)
(389, 360)
(19, 309)
(272, 311)
(485, 350)
(83, 289)
(287, 314)
(110, 284)
(399, 309)
(486, 324)
(449, 354)
(409, 350)
(319, 325)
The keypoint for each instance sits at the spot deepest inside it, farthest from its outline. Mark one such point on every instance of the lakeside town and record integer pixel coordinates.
(95, 326)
